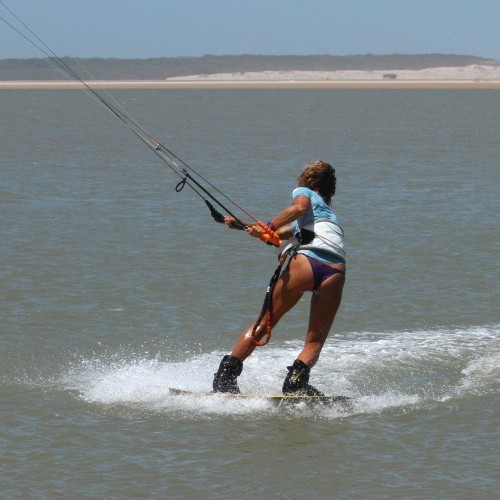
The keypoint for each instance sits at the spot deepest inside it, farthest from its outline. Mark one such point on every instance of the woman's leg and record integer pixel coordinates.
(295, 280)
(325, 303)
(290, 287)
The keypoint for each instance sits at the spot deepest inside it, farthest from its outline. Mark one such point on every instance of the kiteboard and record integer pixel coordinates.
(342, 402)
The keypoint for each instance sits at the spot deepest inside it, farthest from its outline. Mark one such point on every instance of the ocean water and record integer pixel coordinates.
(115, 287)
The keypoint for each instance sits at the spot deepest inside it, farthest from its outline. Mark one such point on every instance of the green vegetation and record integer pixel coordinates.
(161, 68)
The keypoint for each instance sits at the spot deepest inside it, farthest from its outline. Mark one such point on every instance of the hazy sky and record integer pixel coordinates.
(170, 28)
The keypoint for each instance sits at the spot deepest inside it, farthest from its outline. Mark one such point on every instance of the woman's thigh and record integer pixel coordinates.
(295, 280)
(325, 303)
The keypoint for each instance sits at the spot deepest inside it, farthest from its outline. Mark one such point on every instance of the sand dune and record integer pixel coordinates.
(473, 72)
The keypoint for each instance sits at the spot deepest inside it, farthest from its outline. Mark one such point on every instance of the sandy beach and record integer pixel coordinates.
(466, 77)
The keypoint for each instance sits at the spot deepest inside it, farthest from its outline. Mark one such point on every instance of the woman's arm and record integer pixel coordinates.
(281, 223)
(299, 207)
(285, 232)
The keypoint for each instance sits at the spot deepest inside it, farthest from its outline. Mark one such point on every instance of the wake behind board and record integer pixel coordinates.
(278, 399)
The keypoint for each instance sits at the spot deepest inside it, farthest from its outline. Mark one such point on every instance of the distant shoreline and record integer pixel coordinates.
(476, 76)
(199, 83)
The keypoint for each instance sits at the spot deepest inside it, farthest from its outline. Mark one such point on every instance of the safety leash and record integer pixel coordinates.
(267, 306)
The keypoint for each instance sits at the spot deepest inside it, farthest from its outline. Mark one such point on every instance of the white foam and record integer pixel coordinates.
(378, 370)
(482, 373)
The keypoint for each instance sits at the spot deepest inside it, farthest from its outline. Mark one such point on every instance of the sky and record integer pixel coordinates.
(173, 28)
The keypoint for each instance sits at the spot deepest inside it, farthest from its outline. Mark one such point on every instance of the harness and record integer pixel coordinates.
(323, 235)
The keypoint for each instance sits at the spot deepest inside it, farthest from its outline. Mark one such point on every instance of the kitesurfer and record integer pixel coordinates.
(317, 264)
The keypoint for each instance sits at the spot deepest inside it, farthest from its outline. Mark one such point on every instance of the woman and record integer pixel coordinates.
(316, 264)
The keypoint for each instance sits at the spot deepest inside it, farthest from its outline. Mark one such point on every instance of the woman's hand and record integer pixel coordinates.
(256, 230)
(232, 223)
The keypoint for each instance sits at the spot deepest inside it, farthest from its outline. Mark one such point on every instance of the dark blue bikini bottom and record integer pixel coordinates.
(321, 271)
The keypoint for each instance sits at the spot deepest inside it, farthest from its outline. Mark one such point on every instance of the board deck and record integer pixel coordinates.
(277, 399)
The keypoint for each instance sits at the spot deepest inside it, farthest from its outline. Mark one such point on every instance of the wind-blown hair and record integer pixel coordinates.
(319, 176)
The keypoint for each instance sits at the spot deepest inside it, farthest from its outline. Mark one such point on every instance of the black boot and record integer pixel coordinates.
(225, 378)
(297, 381)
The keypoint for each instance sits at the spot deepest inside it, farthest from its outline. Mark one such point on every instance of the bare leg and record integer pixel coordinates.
(292, 284)
(295, 280)
(325, 303)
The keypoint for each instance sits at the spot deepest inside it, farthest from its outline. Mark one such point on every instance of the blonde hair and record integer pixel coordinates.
(319, 176)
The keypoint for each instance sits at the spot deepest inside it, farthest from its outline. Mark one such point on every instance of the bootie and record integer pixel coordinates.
(297, 381)
(225, 378)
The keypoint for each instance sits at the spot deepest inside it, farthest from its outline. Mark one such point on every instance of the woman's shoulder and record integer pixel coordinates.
(303, 191)
(316, 199)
